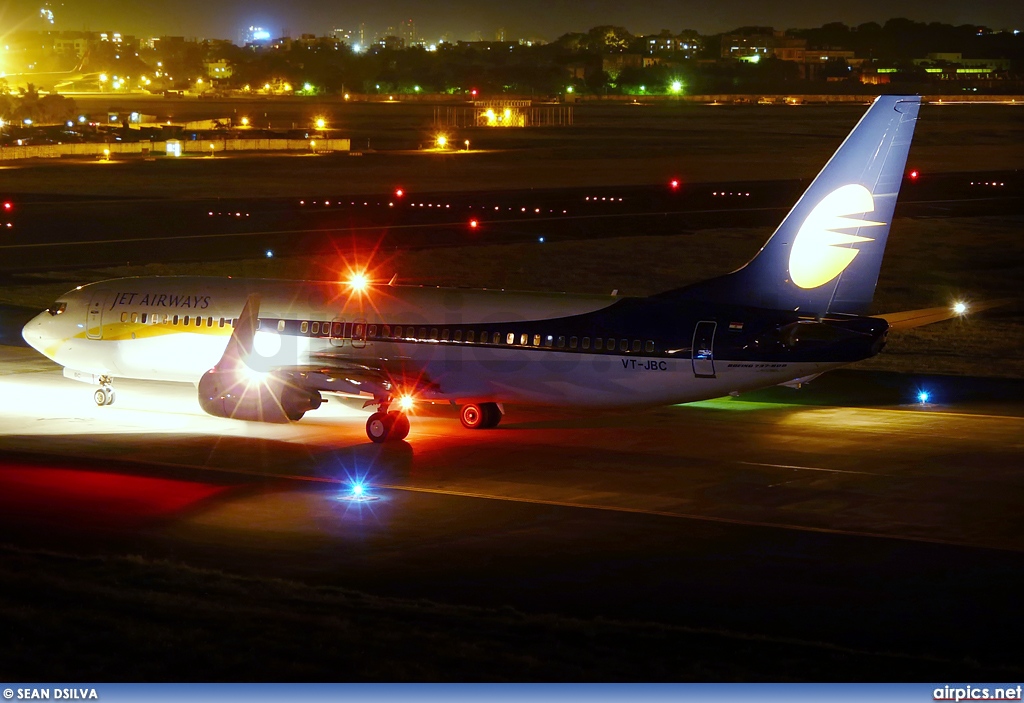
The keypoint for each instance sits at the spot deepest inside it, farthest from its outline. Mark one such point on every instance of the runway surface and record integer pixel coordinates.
(878, 525)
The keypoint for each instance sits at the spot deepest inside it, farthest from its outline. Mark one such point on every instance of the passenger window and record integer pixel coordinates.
(524, 339)
(649, 347)
(573, 342)
(199, 321)
(586, 342)
(209, 322)
(398, 331)
(144, 318)
(372, 332)
(483, 338)
(444, 335)
(422, 334)
(433, 333)
(135, 317)
(536, 340)
(458, 336)
(561, 342)
(222, 322)
(124, 317)
(496, 339)
(385, 331)
(316, 328)
(470, 336)
(186, 319)
(598, 343)
(636, 345)
(549, 340)
(280, 325)
(175, 320)
(304, 327)
(510, 338)
(611, 344)
(624, 345)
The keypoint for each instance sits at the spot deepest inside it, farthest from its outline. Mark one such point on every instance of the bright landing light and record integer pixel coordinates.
(358, 281)
(960, 307)
(405, 403)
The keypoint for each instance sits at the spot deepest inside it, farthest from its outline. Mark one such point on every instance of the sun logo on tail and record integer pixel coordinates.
(821, 251)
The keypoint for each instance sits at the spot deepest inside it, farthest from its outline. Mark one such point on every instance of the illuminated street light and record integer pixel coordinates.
(442, 141)
(676, 86)
(245, 121)
(570, 89)
(321, 123)
(467, 144)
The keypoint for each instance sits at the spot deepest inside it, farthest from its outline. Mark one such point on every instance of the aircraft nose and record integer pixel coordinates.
(35, 333)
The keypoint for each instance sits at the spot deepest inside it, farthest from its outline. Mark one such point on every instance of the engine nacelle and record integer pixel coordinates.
(263, 398)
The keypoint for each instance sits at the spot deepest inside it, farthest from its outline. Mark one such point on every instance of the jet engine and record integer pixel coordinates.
(258, 397)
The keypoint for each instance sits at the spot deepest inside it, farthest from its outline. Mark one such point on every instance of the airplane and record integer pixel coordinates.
(267, 350)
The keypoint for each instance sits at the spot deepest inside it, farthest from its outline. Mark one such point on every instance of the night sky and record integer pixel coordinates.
(481, 19)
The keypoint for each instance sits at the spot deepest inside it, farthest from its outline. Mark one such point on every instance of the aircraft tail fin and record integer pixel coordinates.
(827, 253)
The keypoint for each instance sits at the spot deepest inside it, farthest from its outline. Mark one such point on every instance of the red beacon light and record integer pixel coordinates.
(8, 206)
(913, 175)
(399, 193)
(674, 184)
(473, 224)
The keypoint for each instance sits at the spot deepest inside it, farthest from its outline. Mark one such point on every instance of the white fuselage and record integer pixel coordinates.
(177, 328)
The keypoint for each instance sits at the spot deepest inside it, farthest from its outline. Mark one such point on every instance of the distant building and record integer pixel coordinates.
(687, 43)
(218, 69)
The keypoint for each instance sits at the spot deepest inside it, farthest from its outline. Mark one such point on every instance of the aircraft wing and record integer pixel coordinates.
(919, 318)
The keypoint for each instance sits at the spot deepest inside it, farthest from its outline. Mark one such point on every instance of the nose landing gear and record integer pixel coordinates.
(104, 395)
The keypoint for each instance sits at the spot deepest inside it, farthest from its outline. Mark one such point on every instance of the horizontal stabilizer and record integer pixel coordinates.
(919, 318)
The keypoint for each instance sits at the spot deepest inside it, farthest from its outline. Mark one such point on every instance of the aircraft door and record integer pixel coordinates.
(94, 319)
(703, 354)
(338, 332)
(358, 334)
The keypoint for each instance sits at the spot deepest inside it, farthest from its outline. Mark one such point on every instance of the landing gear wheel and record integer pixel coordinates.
(492, 415)
(103, 396)
(399, 426)
(378, 427)
(480, 416)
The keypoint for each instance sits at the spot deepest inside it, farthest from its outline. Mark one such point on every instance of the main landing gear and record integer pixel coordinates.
(386, 426)
(104, 395)
(480, 416)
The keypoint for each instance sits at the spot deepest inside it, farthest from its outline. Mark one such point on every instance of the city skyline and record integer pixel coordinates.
(461, 19)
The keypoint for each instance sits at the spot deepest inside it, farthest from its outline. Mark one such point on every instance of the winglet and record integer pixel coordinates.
(240, 345)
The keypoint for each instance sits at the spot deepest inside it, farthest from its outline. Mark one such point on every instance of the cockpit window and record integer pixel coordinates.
(57, 308)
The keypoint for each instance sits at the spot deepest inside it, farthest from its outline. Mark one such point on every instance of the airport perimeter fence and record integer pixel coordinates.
(146, 148)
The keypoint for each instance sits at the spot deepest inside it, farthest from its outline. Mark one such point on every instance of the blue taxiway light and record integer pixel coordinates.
(923, 396)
